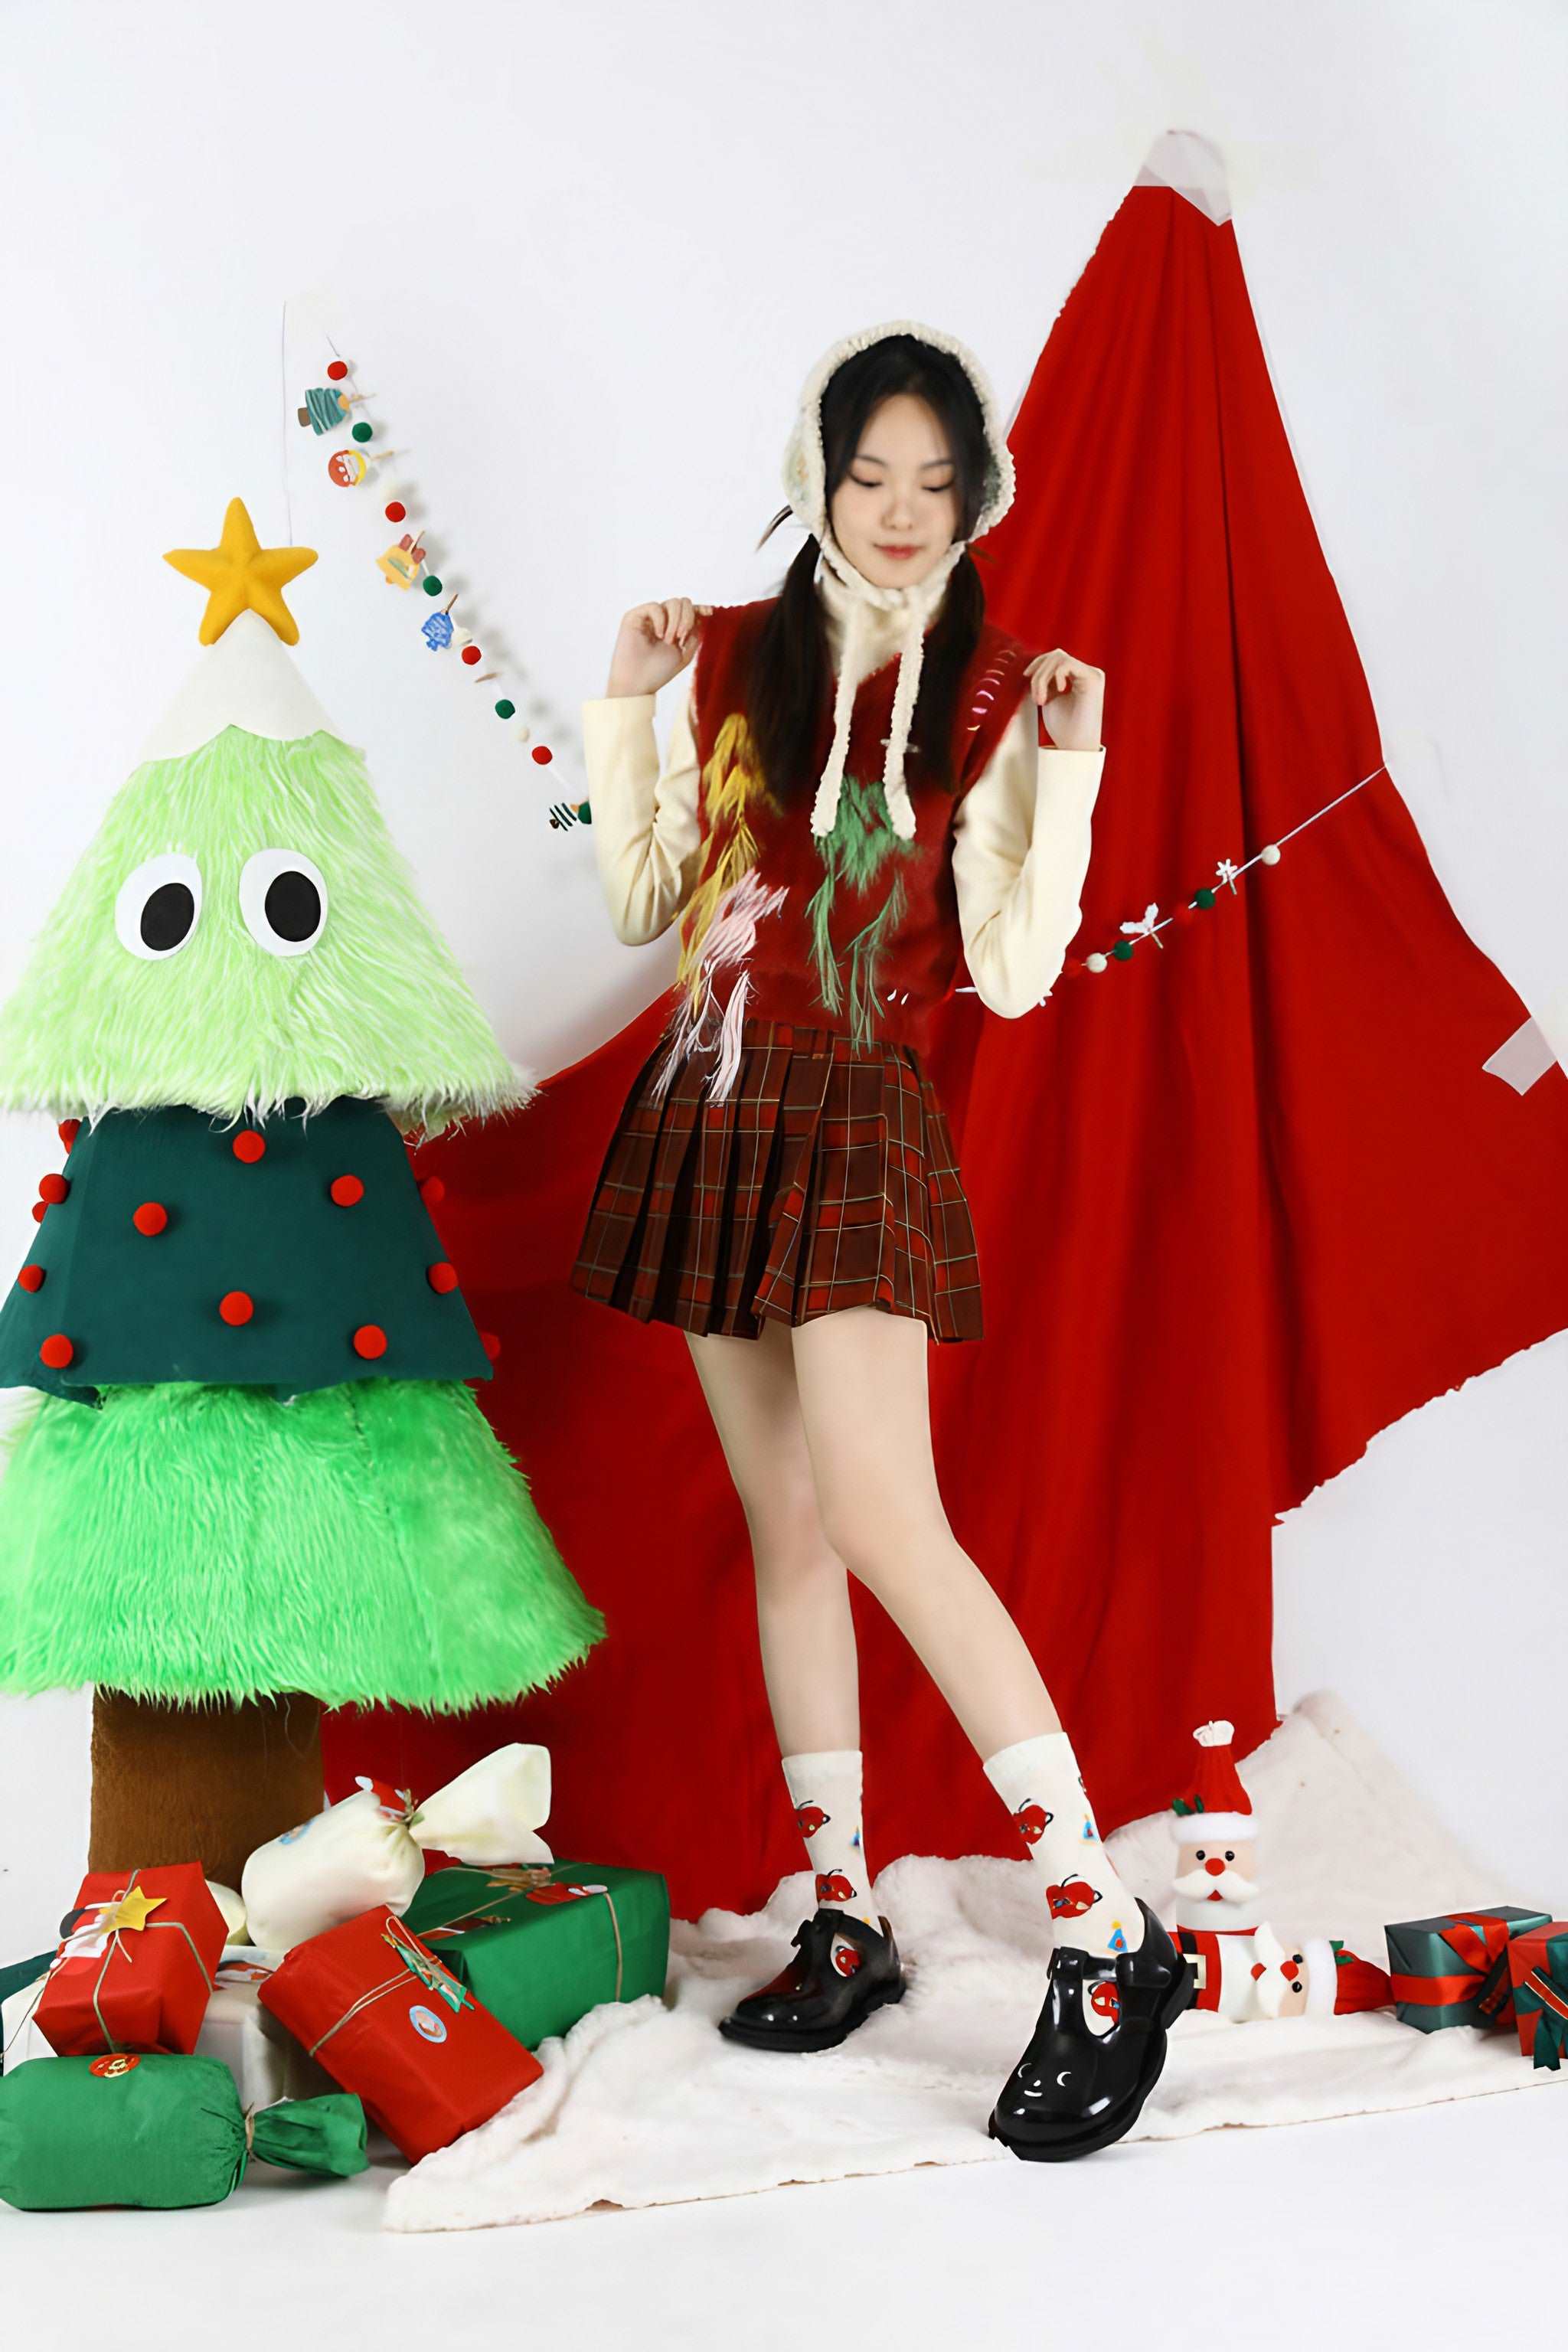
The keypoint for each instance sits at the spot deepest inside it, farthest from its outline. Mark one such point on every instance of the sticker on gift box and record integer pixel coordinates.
(243, 1972)
(426, 2025)
(120, 2064)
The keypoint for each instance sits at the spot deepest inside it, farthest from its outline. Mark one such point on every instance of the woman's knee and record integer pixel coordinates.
(789, 1542)
(876, 1533)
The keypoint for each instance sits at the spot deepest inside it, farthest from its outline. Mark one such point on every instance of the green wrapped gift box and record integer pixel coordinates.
(1453, 1970)
(541, 1947)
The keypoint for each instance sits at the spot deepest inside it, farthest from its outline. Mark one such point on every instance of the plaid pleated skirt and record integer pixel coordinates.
(825, 1179)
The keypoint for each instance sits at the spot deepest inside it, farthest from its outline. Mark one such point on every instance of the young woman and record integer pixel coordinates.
(867, 781)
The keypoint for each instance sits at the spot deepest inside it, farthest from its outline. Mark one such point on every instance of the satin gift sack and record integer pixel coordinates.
(369, 1849)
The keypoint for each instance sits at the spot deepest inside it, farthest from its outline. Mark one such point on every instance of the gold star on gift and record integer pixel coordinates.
(130, 1911)
(240, 575)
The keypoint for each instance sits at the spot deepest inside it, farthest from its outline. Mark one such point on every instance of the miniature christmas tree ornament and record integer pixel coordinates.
(257, 1481)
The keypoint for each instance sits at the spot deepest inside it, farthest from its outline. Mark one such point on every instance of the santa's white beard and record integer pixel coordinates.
(1240, 1903)
(1200, 1886)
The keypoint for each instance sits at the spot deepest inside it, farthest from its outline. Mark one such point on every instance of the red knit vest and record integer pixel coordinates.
(867, 938)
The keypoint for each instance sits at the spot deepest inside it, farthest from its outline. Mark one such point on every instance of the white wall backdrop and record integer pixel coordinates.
(584, 256)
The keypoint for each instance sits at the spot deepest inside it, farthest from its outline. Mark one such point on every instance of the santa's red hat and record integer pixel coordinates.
(1214, 1804)
(1337, 1981)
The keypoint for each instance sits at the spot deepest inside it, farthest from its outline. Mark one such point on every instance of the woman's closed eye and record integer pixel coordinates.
(938, 489)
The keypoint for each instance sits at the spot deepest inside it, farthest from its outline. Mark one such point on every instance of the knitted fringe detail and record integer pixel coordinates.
(731, 779)
(859, 845)
(730, 939)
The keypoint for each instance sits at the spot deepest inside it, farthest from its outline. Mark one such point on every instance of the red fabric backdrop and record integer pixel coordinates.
(1241, 1201)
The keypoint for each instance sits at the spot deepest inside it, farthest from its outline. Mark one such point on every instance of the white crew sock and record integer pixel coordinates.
(825, 1790)
(1040, 1783)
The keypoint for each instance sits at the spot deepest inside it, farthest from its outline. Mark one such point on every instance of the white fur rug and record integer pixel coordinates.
(647, 2105)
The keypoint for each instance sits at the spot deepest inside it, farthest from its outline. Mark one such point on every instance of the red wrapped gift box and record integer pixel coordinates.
(376, 2008)
(135, 1969)
(1538, 1965)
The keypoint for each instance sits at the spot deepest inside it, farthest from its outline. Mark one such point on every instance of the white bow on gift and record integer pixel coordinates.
(370, 1848)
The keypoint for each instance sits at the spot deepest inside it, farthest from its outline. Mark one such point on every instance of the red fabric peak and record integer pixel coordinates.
(1241, 1203)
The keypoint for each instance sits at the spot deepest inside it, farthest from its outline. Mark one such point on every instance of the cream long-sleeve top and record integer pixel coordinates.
(1021, 832)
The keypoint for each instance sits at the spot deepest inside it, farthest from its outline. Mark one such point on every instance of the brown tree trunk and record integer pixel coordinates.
(207, 1783)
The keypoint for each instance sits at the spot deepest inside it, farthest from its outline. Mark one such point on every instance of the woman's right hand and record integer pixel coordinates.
(654, 644)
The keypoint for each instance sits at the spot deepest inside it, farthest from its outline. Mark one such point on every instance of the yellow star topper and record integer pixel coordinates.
(242, 576)
(130, 1911)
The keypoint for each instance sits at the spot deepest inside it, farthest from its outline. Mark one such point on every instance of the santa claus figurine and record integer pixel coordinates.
(1215, 1886)
(1256, 1976)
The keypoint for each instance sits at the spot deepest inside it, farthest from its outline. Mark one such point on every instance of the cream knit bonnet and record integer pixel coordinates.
(804, 482)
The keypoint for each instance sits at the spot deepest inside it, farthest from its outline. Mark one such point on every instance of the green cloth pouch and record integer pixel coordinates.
(155, 2131)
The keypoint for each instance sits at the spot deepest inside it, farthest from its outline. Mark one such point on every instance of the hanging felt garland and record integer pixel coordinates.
(1227, 874)
(328, 408)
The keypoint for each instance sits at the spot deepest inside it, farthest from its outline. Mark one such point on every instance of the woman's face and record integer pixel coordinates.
(895, 513)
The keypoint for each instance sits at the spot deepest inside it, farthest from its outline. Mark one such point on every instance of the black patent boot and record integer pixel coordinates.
(1073, 2091)
(818, 1998)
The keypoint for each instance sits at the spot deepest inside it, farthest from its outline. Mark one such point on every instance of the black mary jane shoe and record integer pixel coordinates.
(814, 2002)
(1074, 2090)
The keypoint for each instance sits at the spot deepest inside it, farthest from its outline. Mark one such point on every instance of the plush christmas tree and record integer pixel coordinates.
(256, 1481)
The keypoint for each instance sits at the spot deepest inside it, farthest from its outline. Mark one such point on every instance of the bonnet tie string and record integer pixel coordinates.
(824, 808)
(915, 606)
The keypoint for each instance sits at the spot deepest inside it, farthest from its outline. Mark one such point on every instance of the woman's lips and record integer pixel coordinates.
(897, 553)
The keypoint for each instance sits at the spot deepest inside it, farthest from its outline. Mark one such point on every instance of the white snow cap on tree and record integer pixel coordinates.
(247, 679)
(805, 485)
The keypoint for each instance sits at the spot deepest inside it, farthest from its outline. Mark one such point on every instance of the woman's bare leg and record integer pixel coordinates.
(865, 1413)
(804, 1624)
(861, 1375)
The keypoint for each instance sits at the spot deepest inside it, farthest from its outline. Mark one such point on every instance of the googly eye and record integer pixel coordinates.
(156, 907)
(284, 897)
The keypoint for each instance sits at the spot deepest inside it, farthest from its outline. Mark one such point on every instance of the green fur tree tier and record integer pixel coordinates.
(369, 1542)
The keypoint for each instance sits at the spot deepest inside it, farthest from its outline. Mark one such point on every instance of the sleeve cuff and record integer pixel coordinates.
(1070, 776)
(617, 714)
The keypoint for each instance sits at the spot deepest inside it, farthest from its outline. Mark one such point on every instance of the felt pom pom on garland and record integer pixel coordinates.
(328, 408)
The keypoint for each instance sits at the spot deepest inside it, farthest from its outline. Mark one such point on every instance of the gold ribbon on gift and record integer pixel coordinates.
(364, 2001)
(426, 1969)
(620, 1956)
(118, 1948)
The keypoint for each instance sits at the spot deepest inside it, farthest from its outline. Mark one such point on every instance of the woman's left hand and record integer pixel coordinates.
(1071, 697)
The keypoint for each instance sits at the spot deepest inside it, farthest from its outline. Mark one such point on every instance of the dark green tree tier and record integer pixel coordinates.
(290, 1255)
